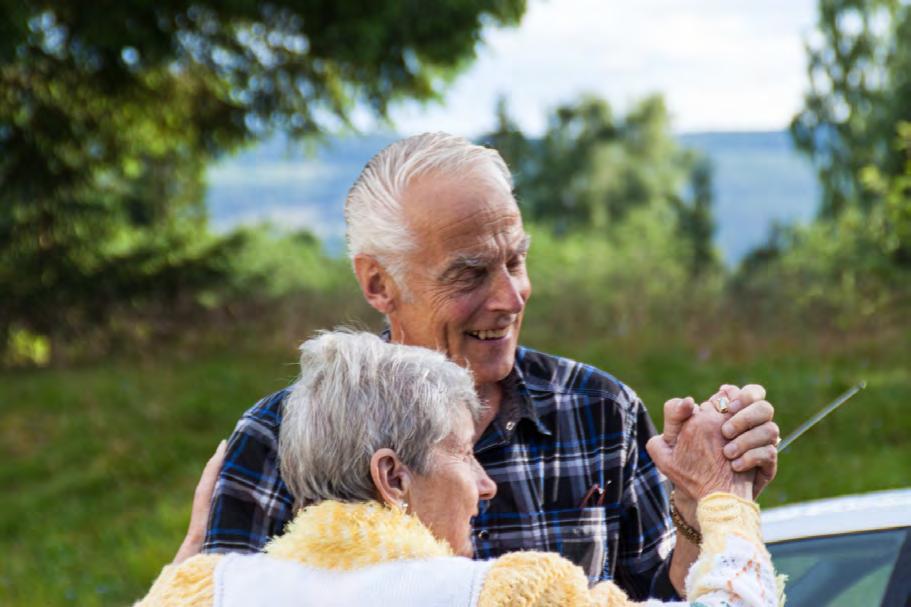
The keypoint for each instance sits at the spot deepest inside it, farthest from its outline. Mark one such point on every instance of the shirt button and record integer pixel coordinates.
(483, 534)
(510, 426)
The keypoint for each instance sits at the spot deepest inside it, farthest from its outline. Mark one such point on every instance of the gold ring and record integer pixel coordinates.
(721, 405)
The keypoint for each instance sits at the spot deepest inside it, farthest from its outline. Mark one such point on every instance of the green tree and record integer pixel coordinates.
(590, 170)
(860, 85)
(109, 113)
(850, 267)
(842, 272)
(695, 218)
(894, 219)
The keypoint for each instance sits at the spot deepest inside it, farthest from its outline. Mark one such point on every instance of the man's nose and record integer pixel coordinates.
(508, 292)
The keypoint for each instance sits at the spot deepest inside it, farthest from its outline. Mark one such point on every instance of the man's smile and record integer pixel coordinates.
(491, 334)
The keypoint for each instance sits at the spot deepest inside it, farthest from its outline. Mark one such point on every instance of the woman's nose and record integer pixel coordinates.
(486, 487)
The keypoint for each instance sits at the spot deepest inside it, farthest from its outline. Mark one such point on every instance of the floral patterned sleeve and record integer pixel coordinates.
(734, 568)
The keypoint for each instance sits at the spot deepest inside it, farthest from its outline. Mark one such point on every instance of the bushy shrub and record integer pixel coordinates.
(831, 274)
(631, 279)
(271, 263)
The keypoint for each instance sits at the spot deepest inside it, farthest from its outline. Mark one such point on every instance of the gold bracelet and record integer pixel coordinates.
(684, 528)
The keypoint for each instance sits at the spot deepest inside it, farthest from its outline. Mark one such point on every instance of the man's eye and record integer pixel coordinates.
(516, 263)
(472, 275)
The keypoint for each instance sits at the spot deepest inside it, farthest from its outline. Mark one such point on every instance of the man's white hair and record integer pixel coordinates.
(357, 394)
(374, 219)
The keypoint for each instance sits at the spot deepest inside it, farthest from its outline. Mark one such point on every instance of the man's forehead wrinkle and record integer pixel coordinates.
(507, 218)
(498, 226)
(457, 225)
(460, 241)
(428, 198)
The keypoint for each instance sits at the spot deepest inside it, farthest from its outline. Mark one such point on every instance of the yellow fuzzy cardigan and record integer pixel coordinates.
(334, 535)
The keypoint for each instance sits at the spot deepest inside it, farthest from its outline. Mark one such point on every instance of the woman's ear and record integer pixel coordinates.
(377, 286)
(392, 479)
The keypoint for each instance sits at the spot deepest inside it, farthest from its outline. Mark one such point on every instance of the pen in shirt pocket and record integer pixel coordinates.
(596, 493)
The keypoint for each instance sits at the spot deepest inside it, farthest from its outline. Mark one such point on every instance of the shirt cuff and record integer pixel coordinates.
(662, 588)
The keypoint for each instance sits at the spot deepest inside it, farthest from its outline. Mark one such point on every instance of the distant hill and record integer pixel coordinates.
(291, 186)
(759, 179)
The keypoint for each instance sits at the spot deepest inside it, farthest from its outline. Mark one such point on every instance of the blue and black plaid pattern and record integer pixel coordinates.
(251, 502)
(567, 451)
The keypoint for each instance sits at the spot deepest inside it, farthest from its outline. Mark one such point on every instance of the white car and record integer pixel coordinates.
(852, 551)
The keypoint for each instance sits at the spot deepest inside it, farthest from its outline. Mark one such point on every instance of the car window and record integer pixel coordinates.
(838, 571)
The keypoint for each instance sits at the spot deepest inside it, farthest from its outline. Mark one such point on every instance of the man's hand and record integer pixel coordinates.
(202, 501)
(752, 435)
(690, 453)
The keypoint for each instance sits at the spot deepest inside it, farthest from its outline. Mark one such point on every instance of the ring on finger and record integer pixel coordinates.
(721, 405)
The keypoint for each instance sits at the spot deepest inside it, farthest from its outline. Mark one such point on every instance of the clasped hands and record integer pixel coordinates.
(702, 450)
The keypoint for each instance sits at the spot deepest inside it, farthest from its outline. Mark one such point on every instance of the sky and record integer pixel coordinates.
(722, 65)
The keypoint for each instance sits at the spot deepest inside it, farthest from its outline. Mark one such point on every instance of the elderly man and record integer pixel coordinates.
(437, 245)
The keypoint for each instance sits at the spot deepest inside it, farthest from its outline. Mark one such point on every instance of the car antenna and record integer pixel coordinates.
(835, 404)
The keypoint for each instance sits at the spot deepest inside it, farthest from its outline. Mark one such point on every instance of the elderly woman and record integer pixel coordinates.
(376, 444)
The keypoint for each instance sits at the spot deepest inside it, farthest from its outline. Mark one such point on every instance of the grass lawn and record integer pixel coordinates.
(98, 463)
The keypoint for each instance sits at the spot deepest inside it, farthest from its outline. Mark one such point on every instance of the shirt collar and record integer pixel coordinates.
(515, 392)
(517, 404)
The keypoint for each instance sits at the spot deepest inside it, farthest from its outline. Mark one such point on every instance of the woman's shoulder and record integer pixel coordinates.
(190, 584)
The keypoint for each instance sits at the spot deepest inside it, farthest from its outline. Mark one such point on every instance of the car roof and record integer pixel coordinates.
(834, 516)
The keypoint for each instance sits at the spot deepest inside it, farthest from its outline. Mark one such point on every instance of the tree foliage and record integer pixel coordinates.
(590, 170)
(894, 214)
(109, 113)
(852, 265)
(860, 85)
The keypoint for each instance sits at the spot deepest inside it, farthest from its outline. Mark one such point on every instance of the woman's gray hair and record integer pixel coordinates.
(375, 224)
(357, 394)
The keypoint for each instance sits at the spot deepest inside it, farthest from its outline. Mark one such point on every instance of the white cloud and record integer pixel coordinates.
(720, 64)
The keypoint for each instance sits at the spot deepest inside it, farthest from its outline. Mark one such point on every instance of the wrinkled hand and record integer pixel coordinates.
(752, 434)
(689, 451)
(202, 501)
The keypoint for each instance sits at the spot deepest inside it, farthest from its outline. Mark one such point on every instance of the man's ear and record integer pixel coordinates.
(392, 478)
(376, 284)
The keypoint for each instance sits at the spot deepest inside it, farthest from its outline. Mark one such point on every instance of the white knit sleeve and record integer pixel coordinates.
(734, 568)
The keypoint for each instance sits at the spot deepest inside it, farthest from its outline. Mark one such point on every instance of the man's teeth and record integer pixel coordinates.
(490, 333)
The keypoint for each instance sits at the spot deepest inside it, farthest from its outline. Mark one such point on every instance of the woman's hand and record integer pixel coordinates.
(689, 452)
(202, 501)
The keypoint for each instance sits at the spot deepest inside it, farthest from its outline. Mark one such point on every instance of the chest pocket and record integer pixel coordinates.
(584, 536)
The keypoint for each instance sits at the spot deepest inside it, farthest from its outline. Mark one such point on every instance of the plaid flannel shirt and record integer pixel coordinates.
(567, 451)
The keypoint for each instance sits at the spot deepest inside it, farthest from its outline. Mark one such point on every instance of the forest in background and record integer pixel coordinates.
(133, 335)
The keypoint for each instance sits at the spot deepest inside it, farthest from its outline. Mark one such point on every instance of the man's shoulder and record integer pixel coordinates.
(543, 372)
(267, 411)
